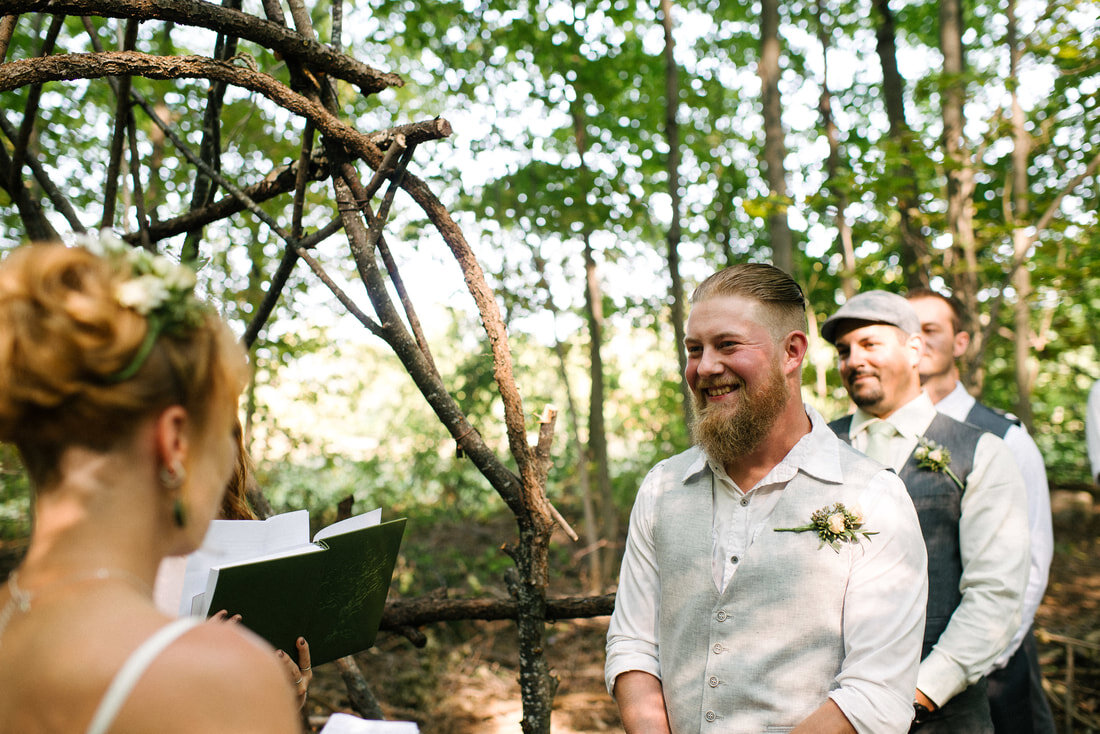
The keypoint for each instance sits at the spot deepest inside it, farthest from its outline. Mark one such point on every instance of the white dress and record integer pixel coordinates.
(132, 670)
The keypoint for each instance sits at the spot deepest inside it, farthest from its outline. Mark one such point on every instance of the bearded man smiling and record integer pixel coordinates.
(729, 618)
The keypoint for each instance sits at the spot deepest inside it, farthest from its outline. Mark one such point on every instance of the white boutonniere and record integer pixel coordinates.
(930, 455)
(835, 524)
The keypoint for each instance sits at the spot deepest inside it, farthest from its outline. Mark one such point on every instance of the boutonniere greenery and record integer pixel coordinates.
(930, 455)
(835, 524)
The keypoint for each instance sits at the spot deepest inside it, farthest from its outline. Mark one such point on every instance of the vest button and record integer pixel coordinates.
(713, 682)
(710, 716)
(721, 616)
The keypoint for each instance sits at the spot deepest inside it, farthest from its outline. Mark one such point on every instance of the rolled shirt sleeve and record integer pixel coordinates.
(995, 548)
(632, 633)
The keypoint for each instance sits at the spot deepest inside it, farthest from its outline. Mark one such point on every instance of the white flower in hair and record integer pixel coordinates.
(154, 286)
(104, 243)
(176, 277)
(144, 294)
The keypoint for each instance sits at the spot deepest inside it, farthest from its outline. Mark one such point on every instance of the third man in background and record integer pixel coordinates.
(1016, 697)
(969, 496)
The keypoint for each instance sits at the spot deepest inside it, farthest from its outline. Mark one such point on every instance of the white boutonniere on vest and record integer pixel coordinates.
(930, 455)
(835, 524)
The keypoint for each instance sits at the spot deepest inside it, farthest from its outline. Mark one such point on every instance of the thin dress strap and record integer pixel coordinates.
(132, 670)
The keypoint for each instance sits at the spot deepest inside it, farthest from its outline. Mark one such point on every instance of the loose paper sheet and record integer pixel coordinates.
(347, 724)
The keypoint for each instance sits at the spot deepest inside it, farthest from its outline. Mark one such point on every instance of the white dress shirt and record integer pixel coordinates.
(870, 645)
(993, 540)
(957, 404)
(1092, 430)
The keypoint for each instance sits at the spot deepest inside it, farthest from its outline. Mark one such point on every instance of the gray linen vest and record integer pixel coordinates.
(764, 653)
(938, 500)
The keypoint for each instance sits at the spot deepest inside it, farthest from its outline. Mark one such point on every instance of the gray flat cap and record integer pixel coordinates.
(875, 307)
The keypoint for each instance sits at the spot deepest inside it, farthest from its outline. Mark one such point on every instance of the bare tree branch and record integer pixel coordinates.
(30, 110)
(123, 115)
(401, 613)
(229, 22)
(61, 67)
(225, 47)
(135, 178)
(30, 209)
(280, 181)
(7, 28)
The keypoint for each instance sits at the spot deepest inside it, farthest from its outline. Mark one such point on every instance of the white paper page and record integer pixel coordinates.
(232, 541)
(347, 724)
(352, 523)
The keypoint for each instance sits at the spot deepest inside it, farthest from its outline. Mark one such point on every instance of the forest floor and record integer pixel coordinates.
(464, 681)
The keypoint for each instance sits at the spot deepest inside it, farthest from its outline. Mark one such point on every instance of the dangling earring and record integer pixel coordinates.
(173, 477)
(179, 513)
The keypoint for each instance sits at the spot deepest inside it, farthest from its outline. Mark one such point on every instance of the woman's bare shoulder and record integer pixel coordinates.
(218, 677)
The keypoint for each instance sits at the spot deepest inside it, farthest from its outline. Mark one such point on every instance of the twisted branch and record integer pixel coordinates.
(229, 22)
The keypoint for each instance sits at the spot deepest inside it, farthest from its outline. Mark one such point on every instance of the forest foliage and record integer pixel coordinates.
(560, 144)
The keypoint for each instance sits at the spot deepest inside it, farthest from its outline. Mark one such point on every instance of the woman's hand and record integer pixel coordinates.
(223, 616)
(300, 672)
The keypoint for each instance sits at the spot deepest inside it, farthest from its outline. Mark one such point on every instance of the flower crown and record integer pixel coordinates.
(158, 288)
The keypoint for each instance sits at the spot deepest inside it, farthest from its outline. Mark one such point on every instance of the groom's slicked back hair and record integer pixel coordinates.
(766, 284)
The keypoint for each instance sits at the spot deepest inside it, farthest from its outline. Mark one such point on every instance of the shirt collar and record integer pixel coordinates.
(817, 454)
(911, 420)
(956, 402)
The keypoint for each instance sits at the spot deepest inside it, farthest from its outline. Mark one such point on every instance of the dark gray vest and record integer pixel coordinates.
(990, 419)
(938, 500)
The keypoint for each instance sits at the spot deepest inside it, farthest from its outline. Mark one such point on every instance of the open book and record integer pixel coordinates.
(331, 591)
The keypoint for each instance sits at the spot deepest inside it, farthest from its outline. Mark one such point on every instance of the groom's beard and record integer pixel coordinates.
(728, 433)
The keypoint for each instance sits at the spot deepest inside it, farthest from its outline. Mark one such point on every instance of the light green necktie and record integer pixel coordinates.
(879, 433)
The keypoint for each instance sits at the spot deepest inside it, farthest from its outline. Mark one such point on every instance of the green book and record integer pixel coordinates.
(331, 591)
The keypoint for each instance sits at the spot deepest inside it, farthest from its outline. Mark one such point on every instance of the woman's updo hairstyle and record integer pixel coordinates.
(68, 347)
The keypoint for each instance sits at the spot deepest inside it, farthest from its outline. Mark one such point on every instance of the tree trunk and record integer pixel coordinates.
(962, 264)
(832, 165)
(591, 527)
(593, 310)
(672, 131)
(915, 257)
(1021, 151)
(775, 150)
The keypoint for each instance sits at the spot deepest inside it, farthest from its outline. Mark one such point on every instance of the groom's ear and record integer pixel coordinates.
(795, 345)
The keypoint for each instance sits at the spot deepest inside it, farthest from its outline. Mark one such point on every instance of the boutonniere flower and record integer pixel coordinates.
(930, 455)
(835, 524)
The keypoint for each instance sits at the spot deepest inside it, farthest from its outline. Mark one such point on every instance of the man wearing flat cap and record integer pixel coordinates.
(970, 500)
